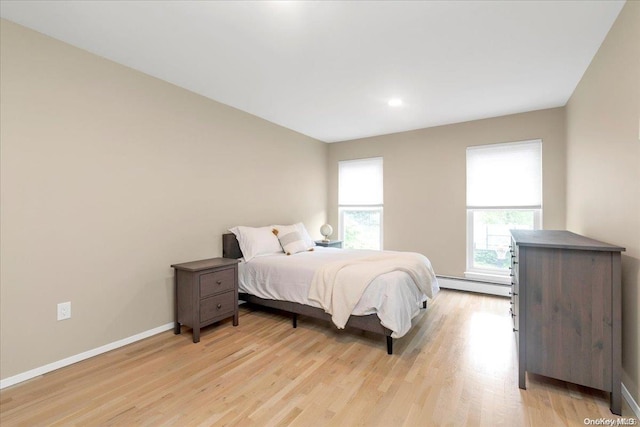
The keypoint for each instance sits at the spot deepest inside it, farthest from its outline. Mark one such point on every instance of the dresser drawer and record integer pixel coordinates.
(217, 282)
(222, 305)
(515, 263)
(514, 292)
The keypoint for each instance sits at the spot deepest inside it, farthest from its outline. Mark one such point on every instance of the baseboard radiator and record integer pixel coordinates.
(469, 285)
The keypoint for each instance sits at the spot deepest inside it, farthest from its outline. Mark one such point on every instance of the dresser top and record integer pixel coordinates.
(205, 264)
(560, 239)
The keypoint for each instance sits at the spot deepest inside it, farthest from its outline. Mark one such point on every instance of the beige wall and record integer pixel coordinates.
(425, 180)
(603, 166)
(108, 176)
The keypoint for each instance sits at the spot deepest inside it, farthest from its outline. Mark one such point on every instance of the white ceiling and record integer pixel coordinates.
(327, 69)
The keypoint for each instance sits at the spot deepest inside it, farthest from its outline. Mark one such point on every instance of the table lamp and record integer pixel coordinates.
(326, 230)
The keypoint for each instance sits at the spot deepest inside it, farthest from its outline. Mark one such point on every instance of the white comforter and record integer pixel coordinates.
(393, 296)
(338, 286)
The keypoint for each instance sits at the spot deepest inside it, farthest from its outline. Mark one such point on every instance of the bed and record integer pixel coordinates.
(282, 282)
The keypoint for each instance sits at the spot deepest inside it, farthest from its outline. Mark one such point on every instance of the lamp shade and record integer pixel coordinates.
(326, 230)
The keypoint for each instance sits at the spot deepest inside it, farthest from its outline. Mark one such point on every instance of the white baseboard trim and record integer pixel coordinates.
(632, 403)
(7, 382)
(474, 286)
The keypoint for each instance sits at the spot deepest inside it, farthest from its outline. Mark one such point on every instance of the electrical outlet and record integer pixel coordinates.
(64, 310)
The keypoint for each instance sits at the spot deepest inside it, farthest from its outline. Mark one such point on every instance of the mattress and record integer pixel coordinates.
(393, 296)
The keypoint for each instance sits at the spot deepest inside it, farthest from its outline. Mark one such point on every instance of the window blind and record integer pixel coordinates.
(360, 182)
(505, 175)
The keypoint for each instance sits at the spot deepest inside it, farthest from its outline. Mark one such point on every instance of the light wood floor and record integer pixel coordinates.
(456, 367)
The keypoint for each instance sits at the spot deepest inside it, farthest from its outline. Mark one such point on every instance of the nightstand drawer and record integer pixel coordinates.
(222, 306)
(216, 282)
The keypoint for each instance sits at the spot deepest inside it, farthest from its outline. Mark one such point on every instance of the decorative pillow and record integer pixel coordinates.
(290, 239)
(305, 235)
(256, 241)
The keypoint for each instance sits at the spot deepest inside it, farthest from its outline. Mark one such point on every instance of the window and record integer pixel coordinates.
(360, 203)
(504, 192)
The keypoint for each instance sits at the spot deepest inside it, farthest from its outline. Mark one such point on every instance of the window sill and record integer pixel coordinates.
(488, 277)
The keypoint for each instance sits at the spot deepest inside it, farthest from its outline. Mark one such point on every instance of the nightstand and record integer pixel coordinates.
(206, 292)
(330, 243)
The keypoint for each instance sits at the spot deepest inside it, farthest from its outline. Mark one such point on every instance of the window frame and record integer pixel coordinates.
(497, 275)
(342, 207)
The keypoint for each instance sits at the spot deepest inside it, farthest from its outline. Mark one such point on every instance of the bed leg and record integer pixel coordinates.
(295, 320)
(389, 345)
(424, 304)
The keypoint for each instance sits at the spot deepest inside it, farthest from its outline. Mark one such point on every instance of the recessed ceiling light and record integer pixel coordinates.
(395, 102)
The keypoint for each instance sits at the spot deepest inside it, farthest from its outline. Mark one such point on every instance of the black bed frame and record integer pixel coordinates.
(370, 322)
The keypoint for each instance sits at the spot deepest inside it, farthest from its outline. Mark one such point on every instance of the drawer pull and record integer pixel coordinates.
(515, 330)
(219, 282)
(513, 293)
(219, 306)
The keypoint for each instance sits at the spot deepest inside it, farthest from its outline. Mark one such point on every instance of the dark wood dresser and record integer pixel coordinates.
(566, 309)
(206, 292)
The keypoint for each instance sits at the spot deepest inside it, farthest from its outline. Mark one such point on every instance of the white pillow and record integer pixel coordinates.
(305, 235)
(290, 239)
(256, 241)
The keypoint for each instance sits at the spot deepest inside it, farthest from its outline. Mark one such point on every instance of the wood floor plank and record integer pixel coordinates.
(457, 366)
